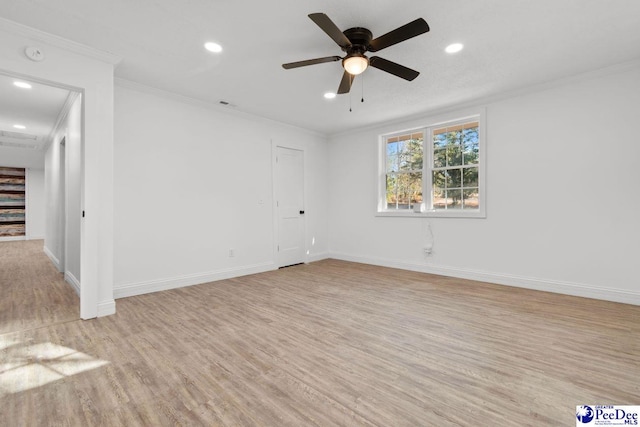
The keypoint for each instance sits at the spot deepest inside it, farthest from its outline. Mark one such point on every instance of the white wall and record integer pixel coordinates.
(79, 67)
(35, 204)
(63, 196)
(562, 205)
(21, 158)
(73, 193)
(53, 197)
(189, 179)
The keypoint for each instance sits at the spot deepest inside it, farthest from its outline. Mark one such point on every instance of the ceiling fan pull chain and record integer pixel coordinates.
(350, 93)
(362, 98)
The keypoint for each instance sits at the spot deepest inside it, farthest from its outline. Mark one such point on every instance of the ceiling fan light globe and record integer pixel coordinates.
(355, 64)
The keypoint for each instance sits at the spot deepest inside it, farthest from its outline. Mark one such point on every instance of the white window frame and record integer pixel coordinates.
(427, 188)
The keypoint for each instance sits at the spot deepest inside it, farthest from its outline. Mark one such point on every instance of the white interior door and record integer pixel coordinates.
(290, 205)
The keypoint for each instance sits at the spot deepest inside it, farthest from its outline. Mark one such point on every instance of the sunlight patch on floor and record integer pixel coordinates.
(24, 366)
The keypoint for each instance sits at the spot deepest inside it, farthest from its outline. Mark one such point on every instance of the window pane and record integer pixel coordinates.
(417, 153)
(404, 190)
(452, 137)
(471, 151)
(439, 158)
(454, 155)
(410, 187)
(470, 177)
(410, 154)
(391, 189)
(470, 198)
(439, 140)
(404, 156)
(392, 157)
(455, 178)
(470, 135)
(439, 201)
(439, 179)
(470, 144)
(392, 147)
(454, 199)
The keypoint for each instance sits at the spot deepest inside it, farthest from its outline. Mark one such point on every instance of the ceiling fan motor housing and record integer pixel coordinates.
(360, 39)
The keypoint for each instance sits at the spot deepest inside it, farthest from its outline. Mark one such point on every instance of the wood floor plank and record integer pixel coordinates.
(329, 343)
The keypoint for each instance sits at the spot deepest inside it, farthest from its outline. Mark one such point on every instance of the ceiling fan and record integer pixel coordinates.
(355, 42)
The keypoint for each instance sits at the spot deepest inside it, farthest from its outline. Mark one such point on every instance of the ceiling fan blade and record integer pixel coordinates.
(400, 34)
(345, 83)
(330, 28)
(393, 68)
(310, 62)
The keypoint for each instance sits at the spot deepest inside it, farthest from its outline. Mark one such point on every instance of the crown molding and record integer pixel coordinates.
(486, 100)
(57, 41)
(232, 110)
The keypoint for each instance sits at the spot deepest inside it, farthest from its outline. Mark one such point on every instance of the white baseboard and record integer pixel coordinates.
(73, 281)
(12, 238)
(106, 308)
(546, 285)
(132, 289)
(53, 258)
(35, 237)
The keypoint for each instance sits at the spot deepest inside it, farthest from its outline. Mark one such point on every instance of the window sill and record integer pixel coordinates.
(431, 214)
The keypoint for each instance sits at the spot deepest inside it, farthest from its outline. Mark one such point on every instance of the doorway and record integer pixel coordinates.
(41, 130)
(289, 200)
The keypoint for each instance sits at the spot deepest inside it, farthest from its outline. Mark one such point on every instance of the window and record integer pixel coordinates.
(404, 154)
(433, 171)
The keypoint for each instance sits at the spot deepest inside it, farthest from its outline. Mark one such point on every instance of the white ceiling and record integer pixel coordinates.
(37, 109)
(509, 44)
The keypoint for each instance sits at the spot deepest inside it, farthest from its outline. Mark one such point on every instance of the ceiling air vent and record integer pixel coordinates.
(18, 135)
(19, 140)
(226, 103)
(19, 144)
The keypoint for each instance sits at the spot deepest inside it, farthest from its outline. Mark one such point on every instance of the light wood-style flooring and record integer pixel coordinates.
(32, 291)
(324, 344)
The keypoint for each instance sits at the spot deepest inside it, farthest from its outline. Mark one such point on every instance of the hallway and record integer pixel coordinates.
(34, 293)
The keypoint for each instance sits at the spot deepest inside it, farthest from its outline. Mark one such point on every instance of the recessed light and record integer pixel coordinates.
(23, 85)
(19, 126)
(329, 95)
(213, 47)
(454, 48)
